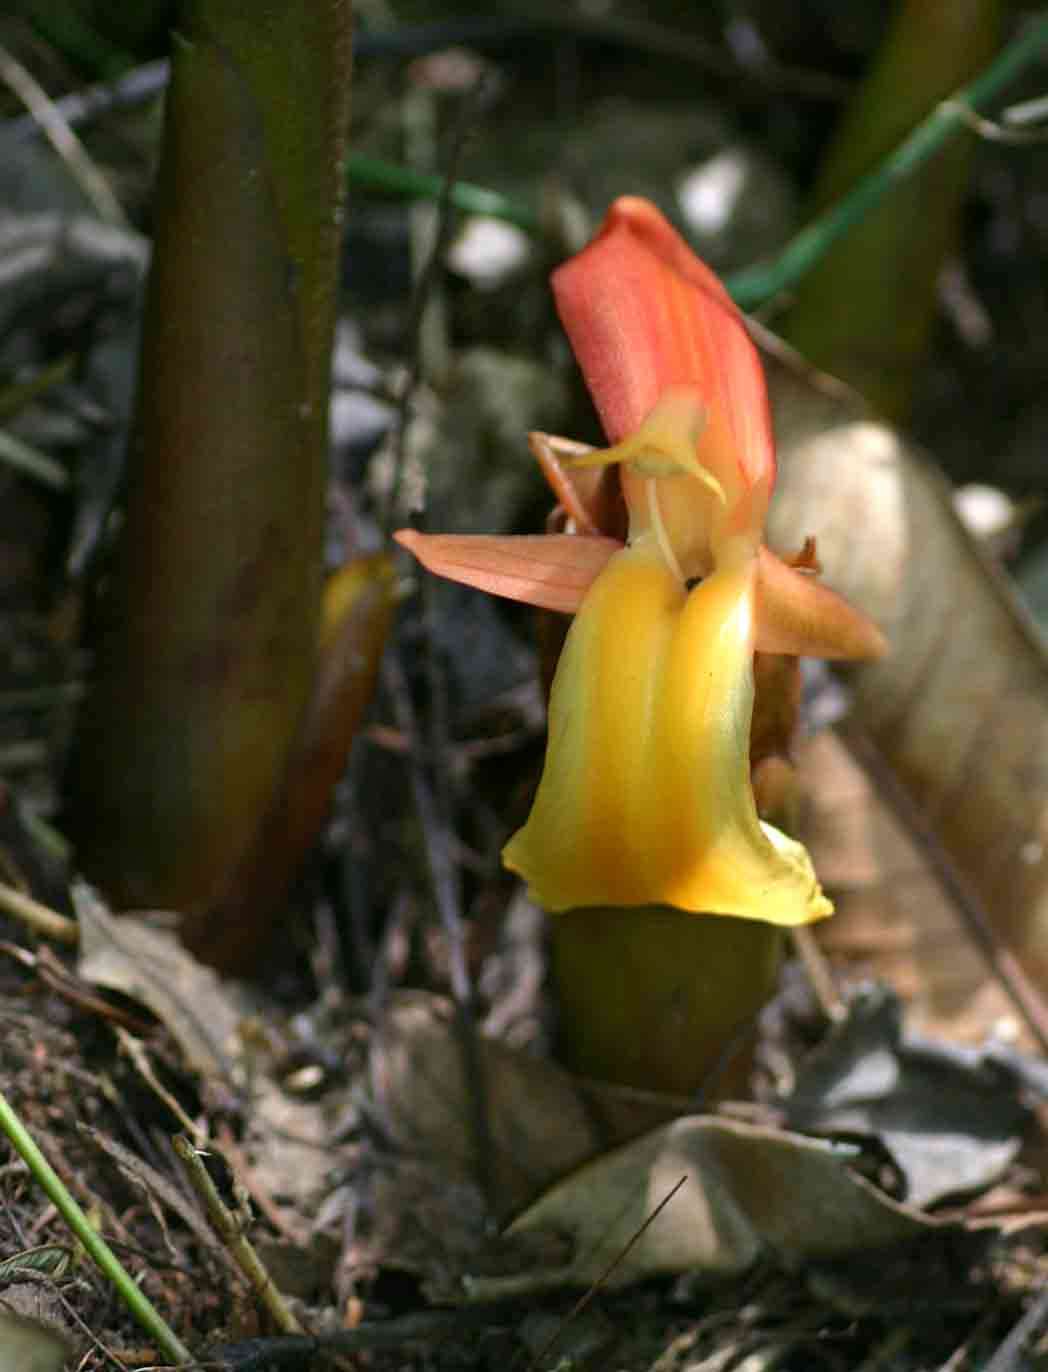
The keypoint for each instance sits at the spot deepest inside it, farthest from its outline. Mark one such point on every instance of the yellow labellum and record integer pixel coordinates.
(645, 797)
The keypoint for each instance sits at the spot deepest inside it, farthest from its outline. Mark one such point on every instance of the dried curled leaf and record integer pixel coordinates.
(149, 964)
(953, 1118)
(959, 708)
(542, 1122)
(748, 1191)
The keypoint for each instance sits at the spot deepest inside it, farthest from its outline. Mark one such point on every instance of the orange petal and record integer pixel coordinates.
(552, 571)
(798, 615)
(591, 498)
(644, 314)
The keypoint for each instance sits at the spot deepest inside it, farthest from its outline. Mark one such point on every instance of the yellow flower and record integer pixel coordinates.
(645, 798)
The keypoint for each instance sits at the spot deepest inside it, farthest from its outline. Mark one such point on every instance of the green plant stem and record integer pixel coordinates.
(372, 173)
(758, 283)
(662, 999)
(22, 457)
(137, 1303)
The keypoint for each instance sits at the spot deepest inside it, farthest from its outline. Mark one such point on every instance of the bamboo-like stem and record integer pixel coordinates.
(887, 268)
(760, 282)
(208, 648)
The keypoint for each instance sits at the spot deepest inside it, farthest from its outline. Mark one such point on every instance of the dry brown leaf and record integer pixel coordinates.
(959, 708)
(28, 1345)
(286, 1153)
(748, 1192)
(151, 966)
(893, 920)
(542, 1122)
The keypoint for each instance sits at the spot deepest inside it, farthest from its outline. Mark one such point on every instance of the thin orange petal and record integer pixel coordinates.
(643, 314)
(552, 571)
(591, 498)
(798, 615)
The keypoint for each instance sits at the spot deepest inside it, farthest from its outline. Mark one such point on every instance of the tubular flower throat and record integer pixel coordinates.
(645, 797)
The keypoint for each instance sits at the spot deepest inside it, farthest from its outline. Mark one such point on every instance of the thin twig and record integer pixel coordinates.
(424, 285)
(493, 32)
(23, 457)
(40, 918)
(432, 804)
(1027, 111)
(424, 1326)
(994, 132)
(1010, 1356)
(665, 42)
(71, 1313)
(82, 107)
(817, 970)
(1002, 962)
(960, 1355)
(238, 1164)
(135, 1050)
(230, 1231)
(445, 885)
(756, 284)
(585, 1299)
(62, 138)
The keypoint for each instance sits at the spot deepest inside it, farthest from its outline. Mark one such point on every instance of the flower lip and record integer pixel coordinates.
(645, 797)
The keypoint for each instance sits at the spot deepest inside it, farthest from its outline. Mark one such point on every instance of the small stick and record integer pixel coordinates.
(229, 1230)
(424, 1326)
(62, 139)
(594, 1290)
(1010, 1356)
(817, 969)
(135, 1050)
(445, 883)
(425, 285)
(40, 918)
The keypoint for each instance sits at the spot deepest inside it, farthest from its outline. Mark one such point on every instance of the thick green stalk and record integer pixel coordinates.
(359, 605)
(210, 626)
(662, 999)
(865, 310)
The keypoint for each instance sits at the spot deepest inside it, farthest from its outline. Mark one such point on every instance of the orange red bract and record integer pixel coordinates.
(644, 314)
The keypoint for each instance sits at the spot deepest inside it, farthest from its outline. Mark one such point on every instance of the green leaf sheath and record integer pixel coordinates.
(210, 622)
